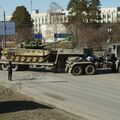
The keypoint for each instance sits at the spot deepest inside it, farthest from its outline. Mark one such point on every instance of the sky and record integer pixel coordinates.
(43, 5)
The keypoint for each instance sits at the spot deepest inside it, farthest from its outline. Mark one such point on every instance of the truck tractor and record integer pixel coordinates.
(90, 63)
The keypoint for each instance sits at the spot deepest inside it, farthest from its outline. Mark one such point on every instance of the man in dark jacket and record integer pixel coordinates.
(0, 52)
(10, 71)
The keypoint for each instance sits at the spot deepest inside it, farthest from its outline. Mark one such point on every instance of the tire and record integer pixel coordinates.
(90, 70)
(55, 69)
(113, 68)
(77, 70)
(14, 67)
(4, 67)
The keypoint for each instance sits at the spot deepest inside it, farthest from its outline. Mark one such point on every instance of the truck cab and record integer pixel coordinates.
(110, 59)
(115, 49)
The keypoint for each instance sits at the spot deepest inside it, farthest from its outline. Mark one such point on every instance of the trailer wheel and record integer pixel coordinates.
(14, 67)
(77, 70)
(4, 67)
(90, 69)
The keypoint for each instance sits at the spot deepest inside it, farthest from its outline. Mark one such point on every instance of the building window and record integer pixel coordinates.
(104, 16)
(36, 30)
(46, 20)
(42, 20)
(118, 15)
(65, 19)
(108, 15)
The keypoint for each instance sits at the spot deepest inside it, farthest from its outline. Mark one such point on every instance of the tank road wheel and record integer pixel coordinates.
(90, 70)
(40, 59)
(4, 67)
(23, 58)
(12, 57)
(77, 70)
(28, 59)
(17, 58)
(34, 59)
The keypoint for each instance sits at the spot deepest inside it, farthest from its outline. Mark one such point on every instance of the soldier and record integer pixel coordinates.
(10, 71)
(0, 52)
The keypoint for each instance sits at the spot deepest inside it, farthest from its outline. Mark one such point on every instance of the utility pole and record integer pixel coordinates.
(109, 33)
(31, 6)
(4, 28)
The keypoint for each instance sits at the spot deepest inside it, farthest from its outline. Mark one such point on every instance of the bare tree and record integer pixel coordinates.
(88, 36)
(115, 33)
(56, 20)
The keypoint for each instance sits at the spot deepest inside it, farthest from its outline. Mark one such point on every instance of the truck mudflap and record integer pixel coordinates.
(117, 63)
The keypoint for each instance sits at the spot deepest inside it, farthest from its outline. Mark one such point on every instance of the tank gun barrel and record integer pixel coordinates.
(56, 42)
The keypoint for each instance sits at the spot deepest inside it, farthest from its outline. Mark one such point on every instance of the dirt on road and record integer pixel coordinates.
(14, 106)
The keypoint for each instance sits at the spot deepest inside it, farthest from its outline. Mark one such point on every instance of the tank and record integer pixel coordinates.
(31, 52)
(26, 55)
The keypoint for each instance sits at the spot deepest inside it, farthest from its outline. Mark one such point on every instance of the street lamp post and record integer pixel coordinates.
(4, 40)
(109, 33)
(4, 29)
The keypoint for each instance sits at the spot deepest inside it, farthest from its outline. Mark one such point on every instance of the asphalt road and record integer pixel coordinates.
(95, 97)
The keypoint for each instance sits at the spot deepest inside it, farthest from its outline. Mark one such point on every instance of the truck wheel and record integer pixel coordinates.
(113, 68)
(55, 69)
(90, 69)
(77, 70)
(4, 67)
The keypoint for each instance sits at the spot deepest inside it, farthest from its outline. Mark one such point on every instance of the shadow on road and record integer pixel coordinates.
(105, 71)
(15, 106)
(45, 70)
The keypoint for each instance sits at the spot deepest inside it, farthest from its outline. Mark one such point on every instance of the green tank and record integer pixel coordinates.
(26, 55)
(30, 53)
